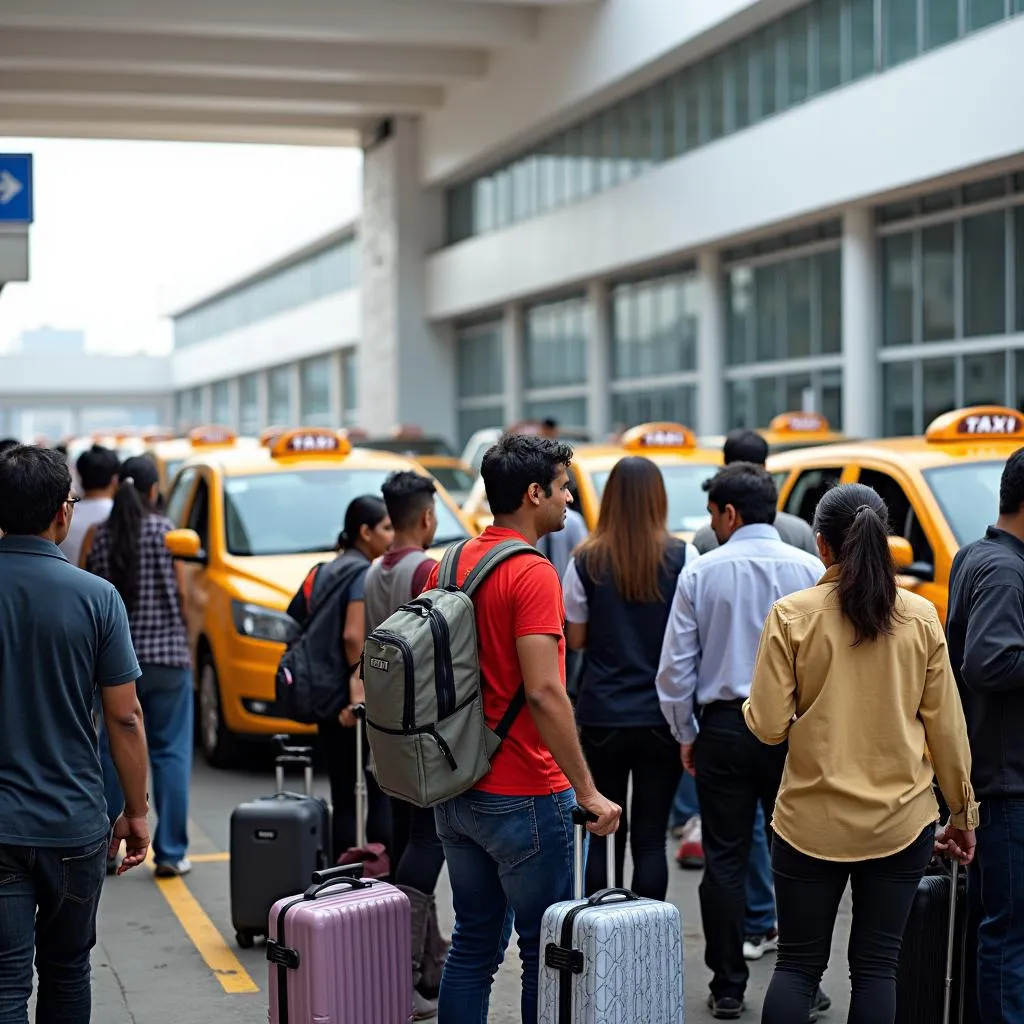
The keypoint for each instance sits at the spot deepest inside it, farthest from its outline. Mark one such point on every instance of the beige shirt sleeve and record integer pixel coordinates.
(771, 706)
(946, 734)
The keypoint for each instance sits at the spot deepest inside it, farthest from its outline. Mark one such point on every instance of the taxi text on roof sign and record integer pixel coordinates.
(658, 435)
(212, 435)
(310, 441)
(800, 423)
(978, 421)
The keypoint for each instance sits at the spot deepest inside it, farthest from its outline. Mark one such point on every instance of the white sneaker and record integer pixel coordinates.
(423, 1008)
(755, 946)
(168, 870)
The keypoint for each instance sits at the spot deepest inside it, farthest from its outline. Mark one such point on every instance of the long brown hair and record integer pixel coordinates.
(631, 535)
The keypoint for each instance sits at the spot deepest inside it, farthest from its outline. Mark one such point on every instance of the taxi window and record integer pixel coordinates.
(809, 489)
(903, 520)
(452, 478)
(300, 510)
(182, 488)
(687, 502)
(968, 495)
(199, 517)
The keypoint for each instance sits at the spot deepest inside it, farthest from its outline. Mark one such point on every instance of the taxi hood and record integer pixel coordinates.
(272, 580)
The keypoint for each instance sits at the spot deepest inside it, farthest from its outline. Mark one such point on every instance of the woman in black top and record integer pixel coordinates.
(618, 592)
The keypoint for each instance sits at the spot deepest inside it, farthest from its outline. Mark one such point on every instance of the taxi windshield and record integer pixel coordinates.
(968, 495)
(452, 478)
(295, 511)
(687, 502)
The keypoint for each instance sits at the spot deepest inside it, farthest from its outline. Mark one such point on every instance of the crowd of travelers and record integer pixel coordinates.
(766, 691)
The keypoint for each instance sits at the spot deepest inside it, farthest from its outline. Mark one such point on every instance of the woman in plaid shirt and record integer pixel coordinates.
(129, 550)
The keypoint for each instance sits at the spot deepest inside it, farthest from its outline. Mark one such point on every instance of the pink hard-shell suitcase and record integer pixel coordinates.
(341, 953)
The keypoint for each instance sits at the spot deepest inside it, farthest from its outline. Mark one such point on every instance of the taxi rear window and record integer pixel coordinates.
(297, 511)
(687, 502)
(968, 495)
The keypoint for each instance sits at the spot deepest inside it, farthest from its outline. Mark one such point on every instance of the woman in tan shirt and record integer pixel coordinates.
(854, 674)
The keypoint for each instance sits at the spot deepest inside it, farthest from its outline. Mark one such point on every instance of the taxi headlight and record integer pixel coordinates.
(261, 623)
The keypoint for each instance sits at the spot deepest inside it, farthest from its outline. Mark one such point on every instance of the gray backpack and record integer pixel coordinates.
(424, 709)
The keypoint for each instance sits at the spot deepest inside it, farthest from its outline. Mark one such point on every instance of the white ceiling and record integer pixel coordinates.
(309, 71)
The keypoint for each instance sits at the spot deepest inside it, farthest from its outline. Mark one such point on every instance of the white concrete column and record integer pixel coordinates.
(861, 377)
(512, 356)
(711, 341)
(599, 354)
(406, 367)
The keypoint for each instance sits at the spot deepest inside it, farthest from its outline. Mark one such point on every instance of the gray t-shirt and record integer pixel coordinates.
(63, 633)
(792, 529)
(88, 512)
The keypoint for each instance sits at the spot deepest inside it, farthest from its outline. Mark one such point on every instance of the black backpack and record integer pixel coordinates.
(312, 677)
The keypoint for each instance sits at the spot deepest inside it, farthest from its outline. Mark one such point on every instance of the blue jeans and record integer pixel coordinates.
(509, 858)
(685, 805)
(760, 918)
(165, 693)
(1000, 868)
(48, 902)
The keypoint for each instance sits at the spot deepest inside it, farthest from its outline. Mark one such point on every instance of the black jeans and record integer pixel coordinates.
(735, 772)
(807, 894)
(340, 753)
(651, 756)
(48, 903)
(416, 852)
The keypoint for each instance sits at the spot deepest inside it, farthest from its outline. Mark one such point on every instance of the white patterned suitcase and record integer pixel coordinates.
(612, 959)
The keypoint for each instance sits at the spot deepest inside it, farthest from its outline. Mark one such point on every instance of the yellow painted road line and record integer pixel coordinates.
(209, 858)
(209, 943)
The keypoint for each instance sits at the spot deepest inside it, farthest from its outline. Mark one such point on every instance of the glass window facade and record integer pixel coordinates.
(220, 402)
(350, 387)
(754, 401)
(480, 371)
(249, 403)
(821, 46)
(313, 277)
(654, 326)
(315, 392)
(279, 396)
(555, 337)
(672, 404)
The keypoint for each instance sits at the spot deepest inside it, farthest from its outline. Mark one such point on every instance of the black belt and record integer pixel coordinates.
(716, 705)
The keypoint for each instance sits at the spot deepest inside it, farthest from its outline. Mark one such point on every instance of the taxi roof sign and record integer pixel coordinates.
(211, 434)
(800, 423)
(989, 421)
(310, 441)
(651, 436)
(270, 435)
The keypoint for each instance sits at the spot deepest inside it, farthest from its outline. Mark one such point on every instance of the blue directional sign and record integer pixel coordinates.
(15, 188)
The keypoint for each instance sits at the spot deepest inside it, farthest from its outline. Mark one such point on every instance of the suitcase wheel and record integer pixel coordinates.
(245, 940)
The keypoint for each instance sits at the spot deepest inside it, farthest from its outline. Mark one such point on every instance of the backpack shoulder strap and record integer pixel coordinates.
(307, 586)
(499, 553)
(344, 579)
(448, 574)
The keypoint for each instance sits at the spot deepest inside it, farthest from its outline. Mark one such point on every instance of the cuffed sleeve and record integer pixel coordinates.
(680, 663)
(946, 734)
(772, 703)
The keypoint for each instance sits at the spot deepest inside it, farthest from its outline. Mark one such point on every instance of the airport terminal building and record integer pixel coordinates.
(702, 212)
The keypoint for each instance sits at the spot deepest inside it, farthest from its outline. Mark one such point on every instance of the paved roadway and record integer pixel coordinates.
(149, 965)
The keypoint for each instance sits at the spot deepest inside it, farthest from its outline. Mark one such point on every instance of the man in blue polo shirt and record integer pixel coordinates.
(63, 633)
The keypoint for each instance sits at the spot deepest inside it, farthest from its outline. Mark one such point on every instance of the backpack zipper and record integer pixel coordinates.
(381, 637)
(445, 684)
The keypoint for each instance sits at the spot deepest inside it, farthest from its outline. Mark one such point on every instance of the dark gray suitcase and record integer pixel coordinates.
(277, 842)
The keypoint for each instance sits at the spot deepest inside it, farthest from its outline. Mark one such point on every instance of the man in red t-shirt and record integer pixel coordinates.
(509, 841)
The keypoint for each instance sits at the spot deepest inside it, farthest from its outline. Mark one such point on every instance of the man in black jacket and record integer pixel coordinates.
(986, 646)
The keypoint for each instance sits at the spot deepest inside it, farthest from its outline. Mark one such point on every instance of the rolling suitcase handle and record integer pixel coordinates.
(360, 713)
(947, 997)
(304, 761)
(580, 818)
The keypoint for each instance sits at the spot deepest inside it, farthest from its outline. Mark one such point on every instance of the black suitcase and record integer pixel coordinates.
(277, 842)
(935, 978)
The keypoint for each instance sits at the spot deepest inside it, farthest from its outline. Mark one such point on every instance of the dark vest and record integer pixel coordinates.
(624, 647)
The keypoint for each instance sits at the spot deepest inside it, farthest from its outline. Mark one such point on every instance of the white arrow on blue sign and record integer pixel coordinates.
(15, 188)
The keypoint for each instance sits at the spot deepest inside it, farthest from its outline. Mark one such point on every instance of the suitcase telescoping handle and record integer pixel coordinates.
(581, 817)
(303, 761)
(947, 997)
(359, 710)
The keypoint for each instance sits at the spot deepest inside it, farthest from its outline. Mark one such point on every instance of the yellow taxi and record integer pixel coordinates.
(170, 453)
(790, 430)
(942, 489)
(684, 465)
(252, 521)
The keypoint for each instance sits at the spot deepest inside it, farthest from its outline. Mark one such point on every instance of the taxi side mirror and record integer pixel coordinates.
(186, 546)
(902, 553)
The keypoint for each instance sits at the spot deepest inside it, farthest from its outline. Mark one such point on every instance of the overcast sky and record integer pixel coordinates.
(125, 232)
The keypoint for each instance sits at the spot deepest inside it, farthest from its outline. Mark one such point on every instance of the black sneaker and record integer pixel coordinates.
(725, 1007)
(819, 1004)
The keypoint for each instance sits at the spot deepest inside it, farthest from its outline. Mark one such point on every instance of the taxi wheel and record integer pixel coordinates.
(221, 747)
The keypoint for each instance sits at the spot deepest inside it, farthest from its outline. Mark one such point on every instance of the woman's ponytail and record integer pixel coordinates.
(131, 505)
(853, 521)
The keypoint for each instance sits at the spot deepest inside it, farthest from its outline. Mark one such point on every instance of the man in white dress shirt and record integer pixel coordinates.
(707, 660)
